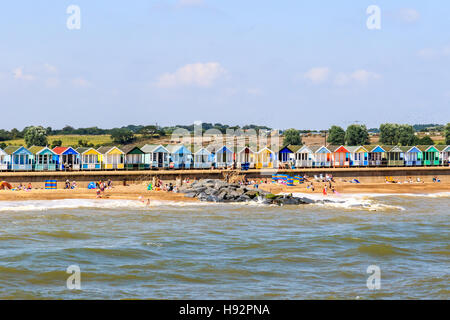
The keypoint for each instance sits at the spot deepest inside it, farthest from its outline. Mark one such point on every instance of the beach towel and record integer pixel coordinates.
(91, 185)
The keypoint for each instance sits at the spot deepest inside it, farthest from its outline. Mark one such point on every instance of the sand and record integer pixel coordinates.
(133, 192)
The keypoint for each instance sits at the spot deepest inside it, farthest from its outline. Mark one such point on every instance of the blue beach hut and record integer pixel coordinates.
(20, 158)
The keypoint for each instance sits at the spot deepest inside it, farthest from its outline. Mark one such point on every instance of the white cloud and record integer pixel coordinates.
(19, 75)
(317, 75)
(409, 15)
(196, 74)
(359, 76)
(81, 82)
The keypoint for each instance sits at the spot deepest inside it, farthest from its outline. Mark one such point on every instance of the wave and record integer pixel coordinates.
(350, 202)
(45, 205)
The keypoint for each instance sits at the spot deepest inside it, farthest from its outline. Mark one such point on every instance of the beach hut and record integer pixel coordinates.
(90, 158)
(3, 160)
(413, 156)
(156, 156)
(245, 158)
(340, 156)
(68, 158)
(444, 155)
(180, 156)
(287, 154)
(203, 159)
(223, 156)
(20, 158)
(266, 158)
(45, 159)
(304, 157)
(112, 158)
(321, 156)
(430, 155)
(376, 156)
(359, 156)
(395, 156)
(134, 158)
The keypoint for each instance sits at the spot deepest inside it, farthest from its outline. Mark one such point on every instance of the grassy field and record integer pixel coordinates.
(68, 140)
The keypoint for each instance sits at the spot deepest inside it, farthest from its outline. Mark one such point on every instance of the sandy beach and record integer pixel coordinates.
(133, 192)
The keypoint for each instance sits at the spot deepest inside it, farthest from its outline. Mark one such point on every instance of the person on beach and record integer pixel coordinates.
(99, 195)
(109, 184)
(325, 190)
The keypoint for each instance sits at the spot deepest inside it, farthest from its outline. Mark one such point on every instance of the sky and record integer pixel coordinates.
(289, 63)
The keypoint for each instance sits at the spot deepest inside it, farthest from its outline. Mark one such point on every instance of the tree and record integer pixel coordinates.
(447, 134)
(122, 136)
(393, 134)
(336, 136)
(425, 141)
(405, 135)
(85, 144)
(4, 135)
(356, 135)
(36, 136)
(292, 136)
(16, 134)
(148, 131)
(56, 143)
(2, 145)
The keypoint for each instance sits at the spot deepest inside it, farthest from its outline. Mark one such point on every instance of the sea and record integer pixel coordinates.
(348, 247)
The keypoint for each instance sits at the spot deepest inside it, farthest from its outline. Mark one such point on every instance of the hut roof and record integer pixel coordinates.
(11, 149)
(294, 148)
(59, 150)
(130, 149)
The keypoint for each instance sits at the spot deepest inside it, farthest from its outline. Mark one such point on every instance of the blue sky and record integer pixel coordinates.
(302, 64)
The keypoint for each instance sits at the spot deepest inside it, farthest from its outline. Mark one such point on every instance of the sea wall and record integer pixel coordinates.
(132, 177)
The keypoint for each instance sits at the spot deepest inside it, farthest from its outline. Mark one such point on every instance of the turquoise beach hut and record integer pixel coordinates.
(44, 158)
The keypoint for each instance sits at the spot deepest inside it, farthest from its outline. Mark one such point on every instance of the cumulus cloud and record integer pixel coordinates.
(196, 74)
(317, 75)
(359, 76)
(409, 15)
(20, 75)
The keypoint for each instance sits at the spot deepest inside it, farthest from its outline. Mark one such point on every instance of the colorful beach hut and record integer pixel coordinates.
(341, 156)
(245, 158)
(44, 159)
(90, 158)
(359, 156)
(180, 156)
(321, 156)
(395, 156)
(430, 155)
(376, 156)
(68, 158)
(223, 157)
(134, 158)
(266, 158)
(3, 160)
(112, 158)
(20, 158)
(203, 159)
(156, 156)
(413, 156)
(444, 155)
(287, 154)
(304, 157)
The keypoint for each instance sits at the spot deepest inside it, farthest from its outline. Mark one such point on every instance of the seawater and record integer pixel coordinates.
(126, 250)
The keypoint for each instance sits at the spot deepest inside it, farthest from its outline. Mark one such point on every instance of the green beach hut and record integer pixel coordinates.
(430, 155)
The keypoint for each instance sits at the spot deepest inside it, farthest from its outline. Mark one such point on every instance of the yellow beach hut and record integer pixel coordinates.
(111, 158)
(90, 158)
(266, 158)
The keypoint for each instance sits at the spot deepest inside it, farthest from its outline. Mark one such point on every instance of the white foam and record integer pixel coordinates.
(44, 205)
(348, 201)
